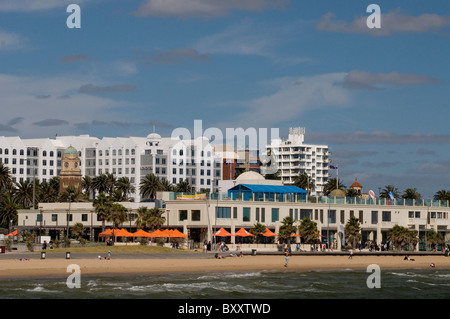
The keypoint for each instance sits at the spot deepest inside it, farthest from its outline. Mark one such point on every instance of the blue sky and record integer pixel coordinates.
(378, 98)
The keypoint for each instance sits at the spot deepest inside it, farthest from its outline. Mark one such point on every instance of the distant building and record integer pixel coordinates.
(293, 158)
(70, 175)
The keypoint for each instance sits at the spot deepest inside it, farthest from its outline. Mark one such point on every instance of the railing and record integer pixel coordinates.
(300, 198)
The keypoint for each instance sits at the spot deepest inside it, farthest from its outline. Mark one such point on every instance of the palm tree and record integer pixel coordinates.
(155, 218)
(331, 185)
(166, 186)
(389, 188)
(142, 217)
(71, 194)
(125, 186)
(111, 182)
(54, 184)
(258, 230)
(24, 193)
(5, 178)
(87, 185)
(287, 229)
(183, 187)
(149, 186)
(411, 193)
(433, 237)
(100, 183)
(47, 193)
(8, 210)
(308, 230)
(102, 206)
(442, 195)
(401, 236)
(117, 215)
(352, 231)
(304, 182)
(351, 192)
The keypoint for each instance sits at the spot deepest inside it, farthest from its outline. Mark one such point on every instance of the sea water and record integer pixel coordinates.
(351, 284)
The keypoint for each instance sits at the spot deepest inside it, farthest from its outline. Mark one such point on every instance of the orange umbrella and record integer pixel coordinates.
(269, 233)
(141, 233)
(177, 233)
(123, 233)
(319, 234)
(243, 233)
(106, 233)
(296, 235)
(158, 233)
(14, 233)
(222, 233)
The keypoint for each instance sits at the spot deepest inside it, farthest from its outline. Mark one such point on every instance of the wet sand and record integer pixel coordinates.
(55, 267)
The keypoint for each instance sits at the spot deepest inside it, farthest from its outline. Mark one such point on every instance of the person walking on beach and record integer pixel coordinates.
(286, 259)
(351, 254)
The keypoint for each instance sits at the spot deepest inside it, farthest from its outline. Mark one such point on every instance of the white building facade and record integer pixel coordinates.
(169, 159)
(292, 158)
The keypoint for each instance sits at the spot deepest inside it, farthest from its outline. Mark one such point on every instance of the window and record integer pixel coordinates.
(54, 217)
(223, 212)
(84, 217)
(183, 215)
(275, 214)
(374, 217)
(410, 214)
(332, 216)
(361, 214)
(246, 214)
(417, 215)
(305, 213)
(234, 212)
(257, 214)
(386, 216)
(69, 217)
(263, 215)
(196, 215)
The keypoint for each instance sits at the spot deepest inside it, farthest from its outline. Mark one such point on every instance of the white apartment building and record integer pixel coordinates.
(293, 157)
(169, 159)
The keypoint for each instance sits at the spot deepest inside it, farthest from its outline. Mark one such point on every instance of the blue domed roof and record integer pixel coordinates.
(70, 151)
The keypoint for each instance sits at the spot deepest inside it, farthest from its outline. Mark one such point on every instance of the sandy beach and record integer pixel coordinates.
(33, 267)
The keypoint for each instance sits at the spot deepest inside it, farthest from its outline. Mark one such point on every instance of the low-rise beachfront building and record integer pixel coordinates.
(251, 201)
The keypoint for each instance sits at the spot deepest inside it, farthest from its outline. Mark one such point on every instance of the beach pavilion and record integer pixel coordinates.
(271, 193)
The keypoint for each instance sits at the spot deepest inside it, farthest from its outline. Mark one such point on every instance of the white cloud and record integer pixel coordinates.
(391, 22)
(35, 5)
(292, 96)
(20, 96)
(202, 8)
(11, 41)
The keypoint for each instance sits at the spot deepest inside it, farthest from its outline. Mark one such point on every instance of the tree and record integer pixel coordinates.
(142, 217)
(24, 193)
(352, 231)
(111, 182)
(156, 218)
(258, 230)
(166, 186)
(5, 178)
(351, 192)
(411, 193)
(100, 183)
(331, 185)
(287, 229)
(87, 185)
(401, 236)
(8, 211)
(442, 195)
(102, 206)
(117, 215)
(125, 187)
(304, 182)
(78, 231)
(389, 188)
(149, 186)
(183, 187)
(433, 237)
(47, 193)
(308, 230)
(71, 194)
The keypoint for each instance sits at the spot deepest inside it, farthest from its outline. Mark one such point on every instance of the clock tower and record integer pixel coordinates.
(70, 174)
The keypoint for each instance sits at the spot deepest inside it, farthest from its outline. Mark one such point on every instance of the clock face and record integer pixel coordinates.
(76, 164)
(66, 164)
